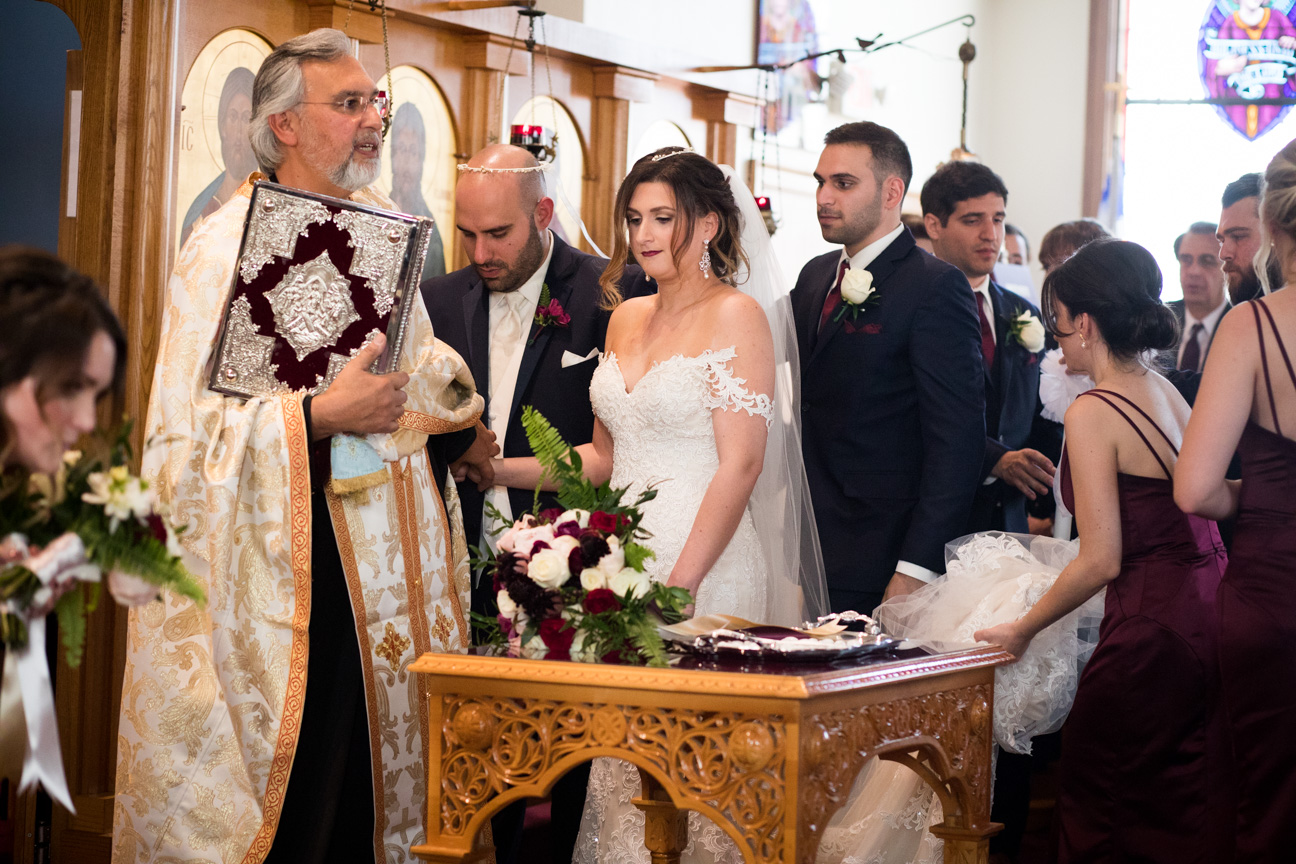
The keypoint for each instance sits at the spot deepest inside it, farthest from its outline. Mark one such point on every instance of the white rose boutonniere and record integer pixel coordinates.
(857, 293)
(1028, 331)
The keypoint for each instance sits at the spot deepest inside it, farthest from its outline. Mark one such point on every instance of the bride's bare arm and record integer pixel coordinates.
(518, 472)
(1094, 466)
(740, 445)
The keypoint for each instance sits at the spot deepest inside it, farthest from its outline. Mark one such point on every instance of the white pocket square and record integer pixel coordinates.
(570, 359)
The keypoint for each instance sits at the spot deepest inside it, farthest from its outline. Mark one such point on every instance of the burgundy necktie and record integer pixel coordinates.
(987, 334)
(1191, 361)
(830, 302)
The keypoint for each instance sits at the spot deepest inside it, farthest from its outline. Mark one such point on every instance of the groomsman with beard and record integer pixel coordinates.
(892, 391)
(1239, 237)
(964, 207)
(487, 312)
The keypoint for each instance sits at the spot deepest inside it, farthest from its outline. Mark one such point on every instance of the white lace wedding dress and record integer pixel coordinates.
(663, 437)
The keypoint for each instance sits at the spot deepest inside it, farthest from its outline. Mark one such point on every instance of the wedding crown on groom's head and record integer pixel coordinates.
(476, 169)
(661, 156)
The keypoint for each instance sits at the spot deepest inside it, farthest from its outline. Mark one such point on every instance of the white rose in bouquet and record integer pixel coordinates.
(614, 560)
(856, 286)
(592, 578)
(1030, 332)
(506, 540)
(506, 605)
(580, 517)
(629, 579)
(548, 568)
(565, 544)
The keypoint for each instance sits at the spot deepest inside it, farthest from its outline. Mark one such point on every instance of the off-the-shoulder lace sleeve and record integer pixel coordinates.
(727, 391)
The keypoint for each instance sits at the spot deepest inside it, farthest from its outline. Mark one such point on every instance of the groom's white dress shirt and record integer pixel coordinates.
(859, 261)
(511, 317)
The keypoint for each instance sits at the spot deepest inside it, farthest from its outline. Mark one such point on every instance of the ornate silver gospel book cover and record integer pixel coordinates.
(317, 278)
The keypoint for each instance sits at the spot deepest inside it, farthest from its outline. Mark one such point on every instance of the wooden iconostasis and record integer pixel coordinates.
(157, 102)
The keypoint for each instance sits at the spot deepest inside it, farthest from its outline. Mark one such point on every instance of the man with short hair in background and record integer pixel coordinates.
(1203, 303)
(1016, 249)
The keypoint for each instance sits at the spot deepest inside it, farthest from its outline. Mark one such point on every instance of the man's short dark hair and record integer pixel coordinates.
(958, 181)
(890, 153)
(1246, 186)
(1063, 240)
(1012, 229)
(1195, 228)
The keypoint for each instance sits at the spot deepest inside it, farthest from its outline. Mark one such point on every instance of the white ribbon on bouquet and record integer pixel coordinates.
(27, 694)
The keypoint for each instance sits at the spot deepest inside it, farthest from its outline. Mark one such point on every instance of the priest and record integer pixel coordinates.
(281, 723)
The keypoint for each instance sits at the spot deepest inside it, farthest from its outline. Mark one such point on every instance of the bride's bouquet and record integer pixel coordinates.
(570, 581)
(63, 532)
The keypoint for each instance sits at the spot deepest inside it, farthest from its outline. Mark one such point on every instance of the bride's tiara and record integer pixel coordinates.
(661, 156)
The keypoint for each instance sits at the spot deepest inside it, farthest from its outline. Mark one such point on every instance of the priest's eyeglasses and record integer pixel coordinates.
(354, 106)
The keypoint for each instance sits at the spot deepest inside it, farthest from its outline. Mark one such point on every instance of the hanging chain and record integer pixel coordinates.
(391, 93)
(508, 61)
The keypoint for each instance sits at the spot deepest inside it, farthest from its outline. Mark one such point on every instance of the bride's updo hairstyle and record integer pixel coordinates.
(1277, 210)
(699, 187)
(1118, 284)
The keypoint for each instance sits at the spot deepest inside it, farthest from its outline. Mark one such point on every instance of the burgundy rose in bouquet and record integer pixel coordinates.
(570, 584)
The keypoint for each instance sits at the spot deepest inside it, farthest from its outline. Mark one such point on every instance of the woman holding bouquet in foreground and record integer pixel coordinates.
(694, 399)
(62, 351)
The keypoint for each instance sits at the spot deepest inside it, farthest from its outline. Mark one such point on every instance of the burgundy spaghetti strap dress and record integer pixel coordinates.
(1257, 608)
(1145, 740)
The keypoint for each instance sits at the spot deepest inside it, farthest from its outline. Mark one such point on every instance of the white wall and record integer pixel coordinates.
(1027, 105)
(1026, 109)
(721, 31)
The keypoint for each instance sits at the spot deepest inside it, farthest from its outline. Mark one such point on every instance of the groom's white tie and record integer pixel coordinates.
(504, 340)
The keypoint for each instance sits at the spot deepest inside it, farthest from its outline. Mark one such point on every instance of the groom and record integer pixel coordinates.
(487, 312)
(892, 389)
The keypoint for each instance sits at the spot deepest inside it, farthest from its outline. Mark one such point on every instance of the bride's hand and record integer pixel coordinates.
(1008, 636)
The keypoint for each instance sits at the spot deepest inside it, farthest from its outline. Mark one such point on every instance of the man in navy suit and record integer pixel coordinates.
(964, 207)
(892, 393)
(488, 313)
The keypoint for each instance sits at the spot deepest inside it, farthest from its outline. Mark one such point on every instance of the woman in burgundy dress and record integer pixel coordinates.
(1142, 744)
(1247, 402)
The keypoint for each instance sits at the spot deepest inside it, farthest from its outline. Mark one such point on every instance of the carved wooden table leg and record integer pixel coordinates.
(665, 827)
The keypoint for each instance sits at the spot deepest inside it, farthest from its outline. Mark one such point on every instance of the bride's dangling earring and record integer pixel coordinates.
(705, 264)
(1083, 343)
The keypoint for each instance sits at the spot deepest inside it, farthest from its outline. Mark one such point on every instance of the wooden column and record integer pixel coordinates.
(615, 87)
(729, 117)
(1101, 100)
(487, 63)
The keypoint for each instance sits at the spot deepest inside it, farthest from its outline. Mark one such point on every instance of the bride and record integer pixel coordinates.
(697, 398)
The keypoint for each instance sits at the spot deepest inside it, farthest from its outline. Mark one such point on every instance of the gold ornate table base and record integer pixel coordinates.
(769, 756)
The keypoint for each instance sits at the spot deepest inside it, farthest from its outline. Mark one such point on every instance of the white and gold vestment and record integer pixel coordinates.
(212, 698)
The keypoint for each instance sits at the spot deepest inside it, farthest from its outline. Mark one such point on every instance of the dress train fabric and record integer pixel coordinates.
(990, 578)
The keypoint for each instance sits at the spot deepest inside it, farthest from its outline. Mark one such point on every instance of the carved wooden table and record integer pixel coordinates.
(769, 755)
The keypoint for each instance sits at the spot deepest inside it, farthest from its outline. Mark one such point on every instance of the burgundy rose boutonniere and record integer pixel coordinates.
(549, 313)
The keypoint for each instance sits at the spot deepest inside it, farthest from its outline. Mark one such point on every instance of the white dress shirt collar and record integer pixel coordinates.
(1209, 322)
(866, 256)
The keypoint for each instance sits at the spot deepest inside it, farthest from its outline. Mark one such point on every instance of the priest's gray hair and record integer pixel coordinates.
(279, 86)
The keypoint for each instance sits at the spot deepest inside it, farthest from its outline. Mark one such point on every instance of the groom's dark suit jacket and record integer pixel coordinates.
(893, 416)
(457, 303)
(1013, 420)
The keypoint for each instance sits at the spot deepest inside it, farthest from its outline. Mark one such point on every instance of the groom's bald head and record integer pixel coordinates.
(500, 213)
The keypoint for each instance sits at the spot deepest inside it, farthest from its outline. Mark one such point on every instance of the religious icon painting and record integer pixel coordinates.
(214, 155)
(418, 159)
(1247, 57)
